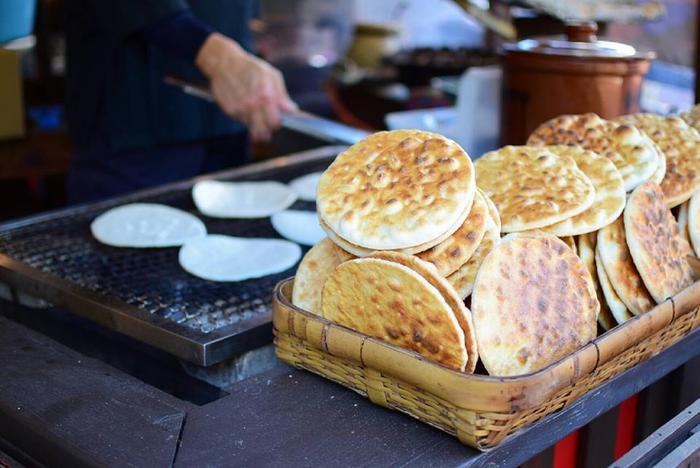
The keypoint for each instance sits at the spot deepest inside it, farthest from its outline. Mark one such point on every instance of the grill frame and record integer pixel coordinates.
(195, 346)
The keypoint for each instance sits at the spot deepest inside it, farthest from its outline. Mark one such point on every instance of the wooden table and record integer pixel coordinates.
(57, 405)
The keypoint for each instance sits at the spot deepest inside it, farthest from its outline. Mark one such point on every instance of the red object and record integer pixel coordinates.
(626, 422)
(33, 183)
(566, 452)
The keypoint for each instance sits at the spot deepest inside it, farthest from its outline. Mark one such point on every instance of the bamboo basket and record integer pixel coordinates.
(480, 410)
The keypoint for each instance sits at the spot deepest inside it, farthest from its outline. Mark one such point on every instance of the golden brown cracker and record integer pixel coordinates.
(493, 210)
(618, 309)
(655, 243)
(532, 187)
(318, 263)
(397, 189)
(463, 279)
(609, 193)
(615, 256)
(462, 313)
(533, 303)
(585, 244)
(394, 303)
(630, 150)
(454, 251)
(680, 144)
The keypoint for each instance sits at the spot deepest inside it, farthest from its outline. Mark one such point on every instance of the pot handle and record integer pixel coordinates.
(581, 31)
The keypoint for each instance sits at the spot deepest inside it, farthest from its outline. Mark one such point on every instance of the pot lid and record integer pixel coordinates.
(580, 40)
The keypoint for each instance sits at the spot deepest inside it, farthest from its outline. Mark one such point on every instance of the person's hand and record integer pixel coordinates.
(245, 87)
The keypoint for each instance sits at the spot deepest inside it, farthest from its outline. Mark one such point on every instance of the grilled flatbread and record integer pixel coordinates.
(463, 315)
(454, 251)
(365, 252)
(224, 258)
(694, 222)
(570, 243)
(586, 252)
(660, 171)
(609, 193)
(394, 303)
(618, 309)
(683, 222)
(632, 152)
(657, 249)
(305, 186)
(463, 279)
(533, 302)
(680, 144)
(532, 187)
(313, 271)
(692, 117)
(493, 211)
(397, 189)
(621, 271)
(146, 225)
(299, 226)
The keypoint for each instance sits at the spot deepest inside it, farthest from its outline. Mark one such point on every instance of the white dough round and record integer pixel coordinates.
(242, 199)
(224, 258)
(306, 186)
(298, 226)
(146, 225)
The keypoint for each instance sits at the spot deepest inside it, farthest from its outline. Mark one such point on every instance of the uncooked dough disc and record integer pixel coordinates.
(306, 186)
(224, 258)
(242, 199)
(301, 227)
(146, 225)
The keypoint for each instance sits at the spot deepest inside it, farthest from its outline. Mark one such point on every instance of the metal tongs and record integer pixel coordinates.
(299, 121)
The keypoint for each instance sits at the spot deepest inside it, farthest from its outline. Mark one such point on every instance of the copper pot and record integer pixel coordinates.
(549, 76)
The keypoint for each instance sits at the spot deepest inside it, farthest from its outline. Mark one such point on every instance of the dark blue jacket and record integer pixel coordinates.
(115, 90)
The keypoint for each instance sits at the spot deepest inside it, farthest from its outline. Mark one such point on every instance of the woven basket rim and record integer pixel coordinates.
(597, 343)
(480, 410)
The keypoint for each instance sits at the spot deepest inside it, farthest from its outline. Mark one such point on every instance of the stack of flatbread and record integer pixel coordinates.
(614, 252)
(408, 192)
(680, 145)
(563, 190)
(414, 254)
(640, 259)
(402, 212)
(634, 154)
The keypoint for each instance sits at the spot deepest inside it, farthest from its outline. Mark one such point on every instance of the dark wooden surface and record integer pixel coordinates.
(80, 410)
(57, 405)
(293, 418)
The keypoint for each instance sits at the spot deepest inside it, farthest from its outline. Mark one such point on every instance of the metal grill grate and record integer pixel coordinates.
(151, 279)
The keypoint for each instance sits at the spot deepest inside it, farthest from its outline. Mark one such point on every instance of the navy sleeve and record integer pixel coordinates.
(119, 19)
(180, 35)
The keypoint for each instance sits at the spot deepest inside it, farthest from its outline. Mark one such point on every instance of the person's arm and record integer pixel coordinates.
(180, 34)
(245, 87)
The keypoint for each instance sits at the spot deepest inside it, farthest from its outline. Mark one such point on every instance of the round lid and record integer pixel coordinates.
(580, 40)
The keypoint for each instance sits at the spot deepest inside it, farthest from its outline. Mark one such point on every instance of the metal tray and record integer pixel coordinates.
(143, 293)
